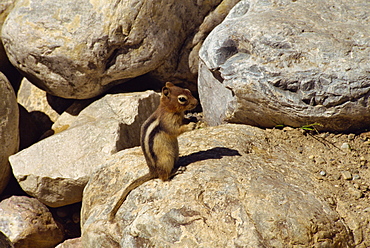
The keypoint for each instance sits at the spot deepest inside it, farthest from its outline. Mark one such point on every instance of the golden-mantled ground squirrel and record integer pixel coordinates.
(159, 137)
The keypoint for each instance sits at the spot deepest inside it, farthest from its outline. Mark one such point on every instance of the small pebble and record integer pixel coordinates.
(346, 175)
(323, 173)
(367, 209)
(351, 136)
(288, 128)
(345, 146)
(367, 143)
(355, 192)
(356, 177)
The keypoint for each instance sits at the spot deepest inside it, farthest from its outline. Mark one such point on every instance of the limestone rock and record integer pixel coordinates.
(289, 62)
(8, 128)
(56, 169)
(78, 49)
(238, 190)
(28, 223)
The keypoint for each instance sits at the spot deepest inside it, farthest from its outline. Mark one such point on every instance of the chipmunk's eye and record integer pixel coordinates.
(182, 99)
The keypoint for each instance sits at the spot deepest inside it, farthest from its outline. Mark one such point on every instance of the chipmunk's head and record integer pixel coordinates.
(176, 99)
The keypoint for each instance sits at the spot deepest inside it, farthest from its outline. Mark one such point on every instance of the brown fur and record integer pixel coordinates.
(159, 137)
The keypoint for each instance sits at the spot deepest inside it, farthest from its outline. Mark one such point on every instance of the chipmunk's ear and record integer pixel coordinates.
(169, 84)
(165, 91)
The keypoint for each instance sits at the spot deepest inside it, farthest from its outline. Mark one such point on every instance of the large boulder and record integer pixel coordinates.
(77, 49)
(28, 223)
(239, 189)
(9, 133)
(56, 169)
(289, 63)
(5, 7)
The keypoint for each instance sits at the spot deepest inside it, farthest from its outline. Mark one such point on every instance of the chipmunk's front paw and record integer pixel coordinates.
(191, 126)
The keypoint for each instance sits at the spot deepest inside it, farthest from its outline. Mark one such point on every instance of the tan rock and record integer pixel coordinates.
(28, 223)
(78, 49)
(238, 190)
(56, 169)
(5, 7)
(9, 133)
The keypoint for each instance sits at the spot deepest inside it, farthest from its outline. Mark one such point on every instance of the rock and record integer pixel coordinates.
(346, 175)
(5, 7)
(355, 193)
(272, 63)
(231, 194)
(345, 146)
(78, 49)
(183, 66)
(71, 243)
(9, 134)
(128, 108)
(351, 136)
(34, 99)
(28, 223)
(56, 169)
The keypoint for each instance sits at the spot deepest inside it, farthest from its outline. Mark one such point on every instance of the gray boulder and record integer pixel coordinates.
(289, 63)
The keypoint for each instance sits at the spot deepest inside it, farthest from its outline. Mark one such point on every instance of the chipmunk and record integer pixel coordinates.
(158, 137)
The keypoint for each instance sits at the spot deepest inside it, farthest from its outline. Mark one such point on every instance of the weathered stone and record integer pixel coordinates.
(289, 62)
(128, 108)
(238, 190)
(71, 243)
(56, 169)
(183, 66)
(28, 223)
(8, 128)
(34, 99)
(5, 7)
(78, 49)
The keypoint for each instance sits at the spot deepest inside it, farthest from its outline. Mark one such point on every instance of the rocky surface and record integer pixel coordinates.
(289, 62)
(28, 223)
(270, 63)
(5, 7)
(79, 49)
(56, 169)
(242, 186)
(9, 134)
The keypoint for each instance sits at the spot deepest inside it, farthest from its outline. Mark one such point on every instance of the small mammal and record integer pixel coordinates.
(158, 137)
